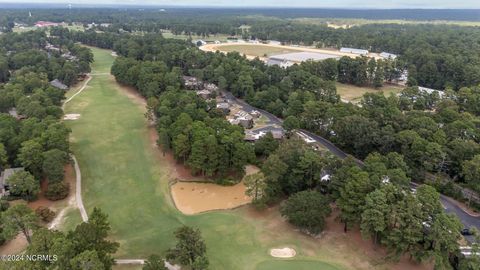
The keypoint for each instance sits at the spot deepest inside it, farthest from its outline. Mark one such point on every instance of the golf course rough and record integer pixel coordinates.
(124, 174)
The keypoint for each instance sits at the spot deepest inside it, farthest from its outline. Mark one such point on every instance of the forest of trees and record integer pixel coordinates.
(32, 135)
(436, 135)
(437, 56)
(404, 138)
(401, 138)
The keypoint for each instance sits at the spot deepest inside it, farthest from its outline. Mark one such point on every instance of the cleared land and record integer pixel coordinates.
(22, 29)
(354, 93)
(125, 174)
(349, 22)
(252, 50)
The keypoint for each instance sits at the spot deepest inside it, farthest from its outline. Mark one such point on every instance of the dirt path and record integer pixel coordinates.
(78, 190)
(140, 261)
(78, 92)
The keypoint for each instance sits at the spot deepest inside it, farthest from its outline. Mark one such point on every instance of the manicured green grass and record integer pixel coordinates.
(256, 50)
(294, 265)
(354, 93)
(128, 179)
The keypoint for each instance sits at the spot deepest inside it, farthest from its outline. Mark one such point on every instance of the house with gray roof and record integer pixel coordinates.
(4, 176)
(58, 84)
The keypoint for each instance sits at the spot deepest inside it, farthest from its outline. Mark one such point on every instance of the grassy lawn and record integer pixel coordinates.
(255, 50)
(354, 93)
(127, 177)
(295, 265)
(33, 28)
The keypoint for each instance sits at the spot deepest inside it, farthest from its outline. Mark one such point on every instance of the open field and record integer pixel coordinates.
(349, 22)
(219, 37)
(354, 93)
(126, 175)
(252, 50)
(255, 49)
(33, 28)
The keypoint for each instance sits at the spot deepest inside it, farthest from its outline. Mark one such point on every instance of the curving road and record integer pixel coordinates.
(467, 220)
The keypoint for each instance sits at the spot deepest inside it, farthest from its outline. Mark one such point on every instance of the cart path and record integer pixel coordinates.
(78, 190)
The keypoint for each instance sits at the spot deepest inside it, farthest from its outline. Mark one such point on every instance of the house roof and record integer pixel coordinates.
(354, 51)
(6, 174)
(58, 84)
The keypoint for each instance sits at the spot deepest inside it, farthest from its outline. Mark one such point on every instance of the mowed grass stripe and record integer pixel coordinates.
(125, 177)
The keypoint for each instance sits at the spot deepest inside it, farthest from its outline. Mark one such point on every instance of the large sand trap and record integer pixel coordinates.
(283, 252)
(192, 198)
(71, 116)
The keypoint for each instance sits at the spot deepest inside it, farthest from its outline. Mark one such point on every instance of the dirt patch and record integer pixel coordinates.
(285, 252)
(193, 198)
(71, 116)
(15, 246)
(273, 47)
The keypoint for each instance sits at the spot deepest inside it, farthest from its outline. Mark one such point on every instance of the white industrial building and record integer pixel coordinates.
(288, 59)
(386, 55)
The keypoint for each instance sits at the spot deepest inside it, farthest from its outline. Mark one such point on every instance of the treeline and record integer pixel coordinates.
(435, 135)
(27, 51)
(376, 198)
(84, 247)
(441, 56)
(198, 135)
(31, 134)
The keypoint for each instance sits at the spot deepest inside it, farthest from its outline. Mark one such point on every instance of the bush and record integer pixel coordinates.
(4, 205)
(45, 213)
(57, 191)
(307, 210)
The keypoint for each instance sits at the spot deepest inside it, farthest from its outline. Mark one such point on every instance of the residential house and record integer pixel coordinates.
(205, 94)
(4, 176)
(224, 107)
(192, 83)
(58, 84)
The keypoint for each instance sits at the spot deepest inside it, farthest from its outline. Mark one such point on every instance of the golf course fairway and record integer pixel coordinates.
(125, 175)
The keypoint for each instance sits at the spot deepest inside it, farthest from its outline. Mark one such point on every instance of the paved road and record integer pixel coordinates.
(467, 220)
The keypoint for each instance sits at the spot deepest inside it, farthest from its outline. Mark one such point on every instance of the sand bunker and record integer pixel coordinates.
(283, 252)
(192, 198)
(71, 116)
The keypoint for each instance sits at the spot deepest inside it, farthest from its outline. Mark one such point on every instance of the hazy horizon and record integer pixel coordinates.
(344, 4)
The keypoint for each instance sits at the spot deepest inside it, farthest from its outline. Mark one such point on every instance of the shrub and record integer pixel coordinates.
(45, 214)
(57, 191)
(4, 205)
(307, 210)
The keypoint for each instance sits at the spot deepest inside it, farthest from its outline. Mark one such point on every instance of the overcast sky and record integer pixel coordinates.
(469, 4)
